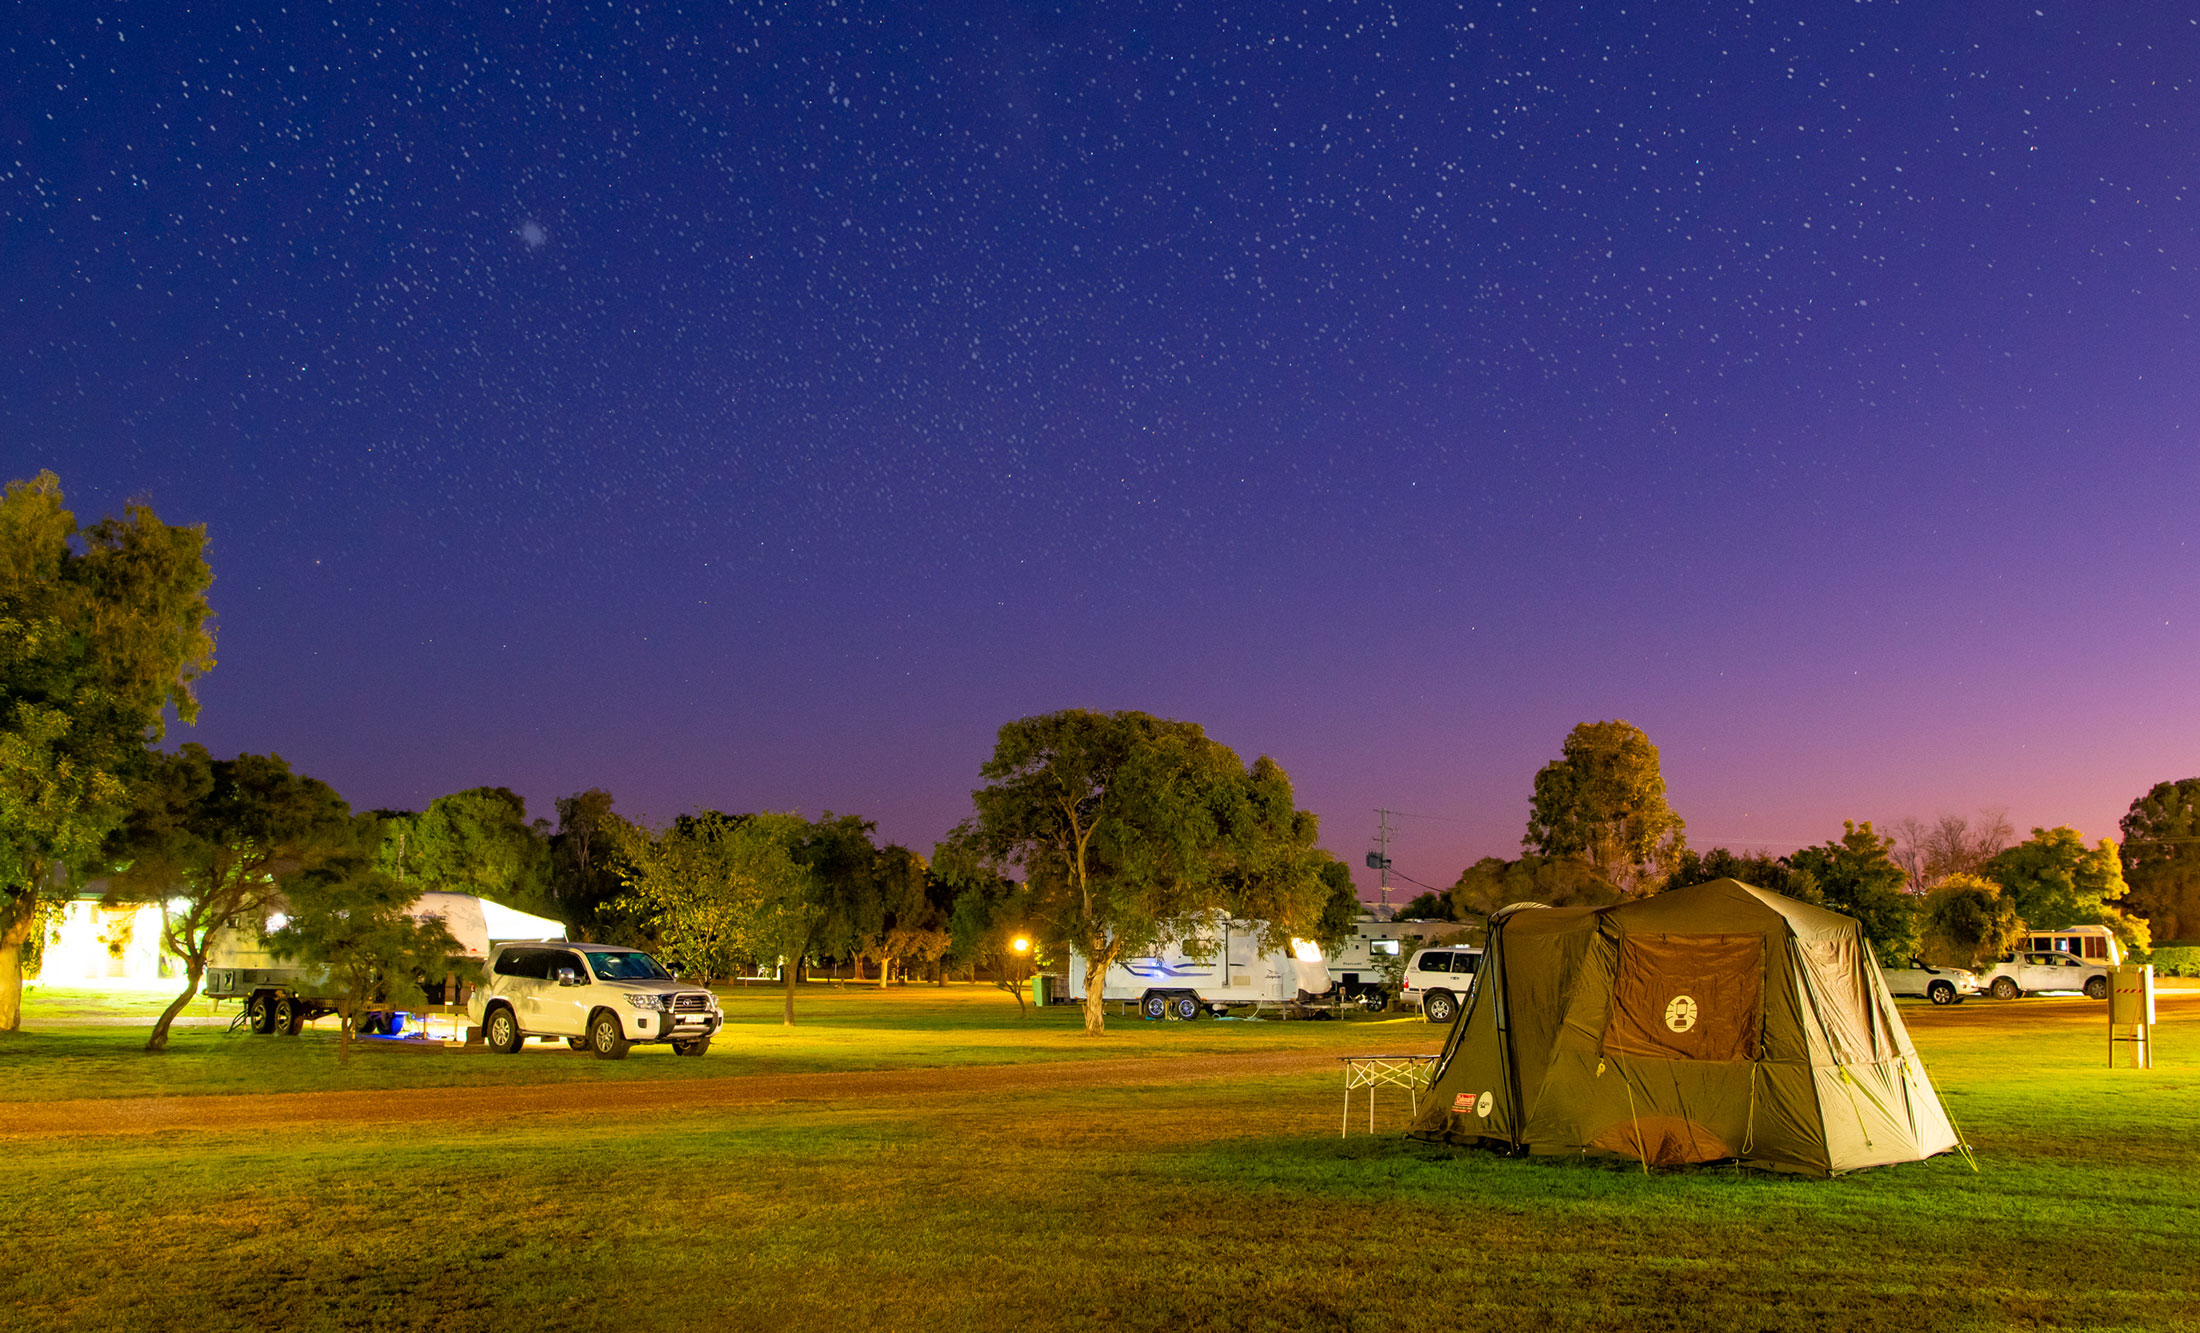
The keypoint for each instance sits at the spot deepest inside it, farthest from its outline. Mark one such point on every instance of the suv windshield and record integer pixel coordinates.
(626, 965)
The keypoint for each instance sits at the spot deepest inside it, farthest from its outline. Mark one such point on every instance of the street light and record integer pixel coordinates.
(1021, 944)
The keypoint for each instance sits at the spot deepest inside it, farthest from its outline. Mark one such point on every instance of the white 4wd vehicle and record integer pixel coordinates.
(1941, 985)
(2019, 973)
(598, 997)
(1436, 980)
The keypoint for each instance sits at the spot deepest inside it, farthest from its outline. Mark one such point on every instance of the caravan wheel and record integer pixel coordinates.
(1155, 1005)
(259, 1011)
(290, 1015)
(1187, 1007)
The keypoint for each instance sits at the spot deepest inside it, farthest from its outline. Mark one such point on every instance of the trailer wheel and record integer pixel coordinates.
(606, 1037)
(502, 1030)
(1439, 1006)
(1374, 1001)
(290, 1015)
(259, 1011)
(1155, 1005)
(1187, 1007)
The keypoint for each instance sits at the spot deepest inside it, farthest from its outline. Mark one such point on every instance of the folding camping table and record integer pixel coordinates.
(1410, 1072)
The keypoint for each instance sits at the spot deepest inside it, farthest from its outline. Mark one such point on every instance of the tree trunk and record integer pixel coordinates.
(194, 969)
(17, 915)
(11, 986)
(1096, 1009)
(343, 1032)
(786, 1018)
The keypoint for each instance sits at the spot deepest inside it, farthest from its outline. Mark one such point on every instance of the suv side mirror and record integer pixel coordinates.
(568, 977)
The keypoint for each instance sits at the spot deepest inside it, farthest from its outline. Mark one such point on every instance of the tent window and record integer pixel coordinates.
(1687, 997)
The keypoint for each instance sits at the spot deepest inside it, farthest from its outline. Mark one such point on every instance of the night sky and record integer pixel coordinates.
(753, 407)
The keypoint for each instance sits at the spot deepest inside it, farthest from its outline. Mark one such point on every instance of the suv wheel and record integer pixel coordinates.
(1439, 1007)
(695, 1047)
(577, 1043)
(605, 1037)
(2005, 988)
(2096, 988)
(501, 1029)
(1941, 992)
(1155, 1005)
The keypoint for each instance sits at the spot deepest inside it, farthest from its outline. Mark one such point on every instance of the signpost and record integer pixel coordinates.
(2131, 1014)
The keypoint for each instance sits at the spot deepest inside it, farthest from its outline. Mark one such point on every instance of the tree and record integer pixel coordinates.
(1341, 908)
(692, 883)
(586, 877)
(1856, 875)
(991, 923)
(1128, 828)
(356, 921)
(215, 842)
(1603, 801)
(818, 886)
(2053, 879)
(1951, 845)
(1760, 870)
(1554, 881)
(1968, 919)
(101, 630)
(476, 841)
(2161, 859)
(1429, 906)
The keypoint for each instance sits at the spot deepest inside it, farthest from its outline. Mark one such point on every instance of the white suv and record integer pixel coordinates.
(598, 997)
(2022, 973)
(1437, 979)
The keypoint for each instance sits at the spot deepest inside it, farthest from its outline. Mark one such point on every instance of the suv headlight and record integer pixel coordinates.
(653, 1002)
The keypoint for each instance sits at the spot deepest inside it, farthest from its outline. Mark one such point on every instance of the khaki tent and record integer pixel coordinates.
(1712, 1023)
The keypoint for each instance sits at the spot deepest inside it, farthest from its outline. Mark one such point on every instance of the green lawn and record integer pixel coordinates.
(59, 1054)
(1194, 1206)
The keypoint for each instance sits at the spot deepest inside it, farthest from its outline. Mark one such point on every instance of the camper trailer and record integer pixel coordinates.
(2095, 944)
(1217, 967)
(282, 997)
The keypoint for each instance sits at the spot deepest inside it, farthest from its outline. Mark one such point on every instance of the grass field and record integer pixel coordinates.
(1223, 1205)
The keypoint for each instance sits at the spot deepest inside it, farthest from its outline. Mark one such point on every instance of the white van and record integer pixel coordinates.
(1219, 966)
(2094, 944)
(1438, 979)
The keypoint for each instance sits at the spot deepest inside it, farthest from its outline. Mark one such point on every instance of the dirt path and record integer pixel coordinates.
(229, 1112)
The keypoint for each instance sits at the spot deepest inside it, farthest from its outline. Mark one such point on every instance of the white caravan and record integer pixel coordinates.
(1217, 967)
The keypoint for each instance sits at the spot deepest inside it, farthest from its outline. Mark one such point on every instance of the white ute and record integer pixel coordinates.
(598, 997)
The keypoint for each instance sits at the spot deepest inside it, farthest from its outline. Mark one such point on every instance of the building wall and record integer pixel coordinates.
(107, 948)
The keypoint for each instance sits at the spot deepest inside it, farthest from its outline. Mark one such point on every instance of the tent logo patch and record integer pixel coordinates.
(1482, 1105)
(1462, 1103)
(1680, 1013)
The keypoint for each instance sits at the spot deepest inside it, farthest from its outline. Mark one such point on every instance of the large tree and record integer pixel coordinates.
(1128, 828)
(1950, 845)
(693, 886)
(586, 874)
(476, 841)
(1760, 870)
(2053, 879)
(2161, 856)
(1856, 874)
(101, 631)
(1967, 919)
(215, 843)
(1603, 801)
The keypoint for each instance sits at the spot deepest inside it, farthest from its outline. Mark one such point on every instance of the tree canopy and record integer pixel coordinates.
(1967, 920)
(352, 918)
(2161, 859)
(101, 631)
(476, 841)
(1603, 801)
(1555, 881)
(2053, 879)
(1856, 874)
(1127, 827)
(217, 842)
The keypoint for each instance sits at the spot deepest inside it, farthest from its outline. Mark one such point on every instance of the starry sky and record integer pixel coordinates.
(753, 406)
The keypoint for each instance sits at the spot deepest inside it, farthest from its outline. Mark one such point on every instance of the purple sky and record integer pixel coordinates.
(741, 410)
